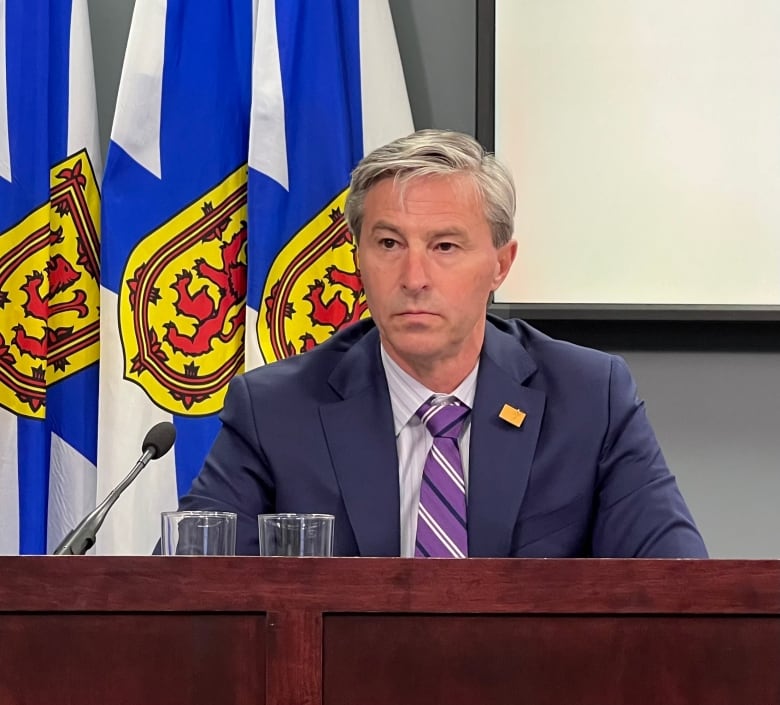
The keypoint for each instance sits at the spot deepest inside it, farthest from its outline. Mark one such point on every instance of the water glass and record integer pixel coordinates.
(295, 534)
(198, 533)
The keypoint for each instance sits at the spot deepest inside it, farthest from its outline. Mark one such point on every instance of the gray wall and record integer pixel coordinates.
(717, 415)
(109, 23)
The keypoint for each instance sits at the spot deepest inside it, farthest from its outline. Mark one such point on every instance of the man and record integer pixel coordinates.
(433, 429)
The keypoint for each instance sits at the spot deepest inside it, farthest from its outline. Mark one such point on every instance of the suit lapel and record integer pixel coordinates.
(360, 436)
(500, 454)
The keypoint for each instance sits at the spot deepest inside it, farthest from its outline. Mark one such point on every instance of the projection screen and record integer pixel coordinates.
(644, 136)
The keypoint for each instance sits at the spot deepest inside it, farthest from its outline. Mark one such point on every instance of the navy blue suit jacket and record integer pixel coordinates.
(582, 476)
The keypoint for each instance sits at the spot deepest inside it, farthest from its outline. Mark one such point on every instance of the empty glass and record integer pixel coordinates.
(198, 533)
(295, 534)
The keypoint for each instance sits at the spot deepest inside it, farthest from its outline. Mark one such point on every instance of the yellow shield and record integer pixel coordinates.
(313, 288)
(181, 303)
(50, 290)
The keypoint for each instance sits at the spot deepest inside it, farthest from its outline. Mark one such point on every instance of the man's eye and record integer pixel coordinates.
(446, 246)
(387, 243)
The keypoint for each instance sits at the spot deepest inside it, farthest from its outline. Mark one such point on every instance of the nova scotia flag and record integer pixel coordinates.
(328, 88)
(49, 272)
(174, 258)
(237, 126)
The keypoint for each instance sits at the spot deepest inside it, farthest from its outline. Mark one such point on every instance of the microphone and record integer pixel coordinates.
(158, 442)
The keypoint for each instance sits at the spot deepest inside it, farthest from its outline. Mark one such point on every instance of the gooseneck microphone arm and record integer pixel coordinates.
(82, 538)
(156, 444)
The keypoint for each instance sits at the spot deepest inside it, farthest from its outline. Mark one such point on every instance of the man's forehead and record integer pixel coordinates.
(402, 188)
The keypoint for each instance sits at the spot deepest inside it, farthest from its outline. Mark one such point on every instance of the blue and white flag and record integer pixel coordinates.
(325, 85)
(328, 87)
(49, 272)
(173, 281)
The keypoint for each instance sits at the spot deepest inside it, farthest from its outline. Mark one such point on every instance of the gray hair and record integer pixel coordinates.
(437, 153)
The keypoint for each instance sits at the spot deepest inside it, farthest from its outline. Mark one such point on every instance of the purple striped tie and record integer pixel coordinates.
(441, 520)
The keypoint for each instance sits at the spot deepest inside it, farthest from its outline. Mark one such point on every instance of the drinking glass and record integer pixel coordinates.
(295, 534)
(198, 533)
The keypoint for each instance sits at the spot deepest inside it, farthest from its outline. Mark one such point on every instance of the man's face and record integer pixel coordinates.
(428, 265)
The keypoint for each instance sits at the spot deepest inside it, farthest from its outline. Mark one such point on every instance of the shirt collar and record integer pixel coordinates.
(407, 394)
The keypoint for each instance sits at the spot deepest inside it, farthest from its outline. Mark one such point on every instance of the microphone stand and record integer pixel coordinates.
(82, 538)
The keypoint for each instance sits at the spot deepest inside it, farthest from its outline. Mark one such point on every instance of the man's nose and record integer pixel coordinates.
(414, 275)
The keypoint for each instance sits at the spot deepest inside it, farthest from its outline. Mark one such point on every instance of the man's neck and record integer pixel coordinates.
(442, 375)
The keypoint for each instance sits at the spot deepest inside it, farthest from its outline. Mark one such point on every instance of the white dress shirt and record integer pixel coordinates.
(413, 440)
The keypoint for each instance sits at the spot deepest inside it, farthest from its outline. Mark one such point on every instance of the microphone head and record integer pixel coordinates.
(159, 439)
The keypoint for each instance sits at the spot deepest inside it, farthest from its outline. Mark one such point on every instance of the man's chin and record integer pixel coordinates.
(415, 349)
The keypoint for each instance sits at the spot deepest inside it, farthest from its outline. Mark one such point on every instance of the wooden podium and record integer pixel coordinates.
(376, 631)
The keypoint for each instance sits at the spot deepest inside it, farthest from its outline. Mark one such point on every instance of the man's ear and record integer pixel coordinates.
(506, 257)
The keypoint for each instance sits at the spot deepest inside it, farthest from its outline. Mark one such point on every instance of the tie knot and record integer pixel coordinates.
(443, 419)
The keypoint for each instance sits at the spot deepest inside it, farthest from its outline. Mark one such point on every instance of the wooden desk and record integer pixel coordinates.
(347, 631)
